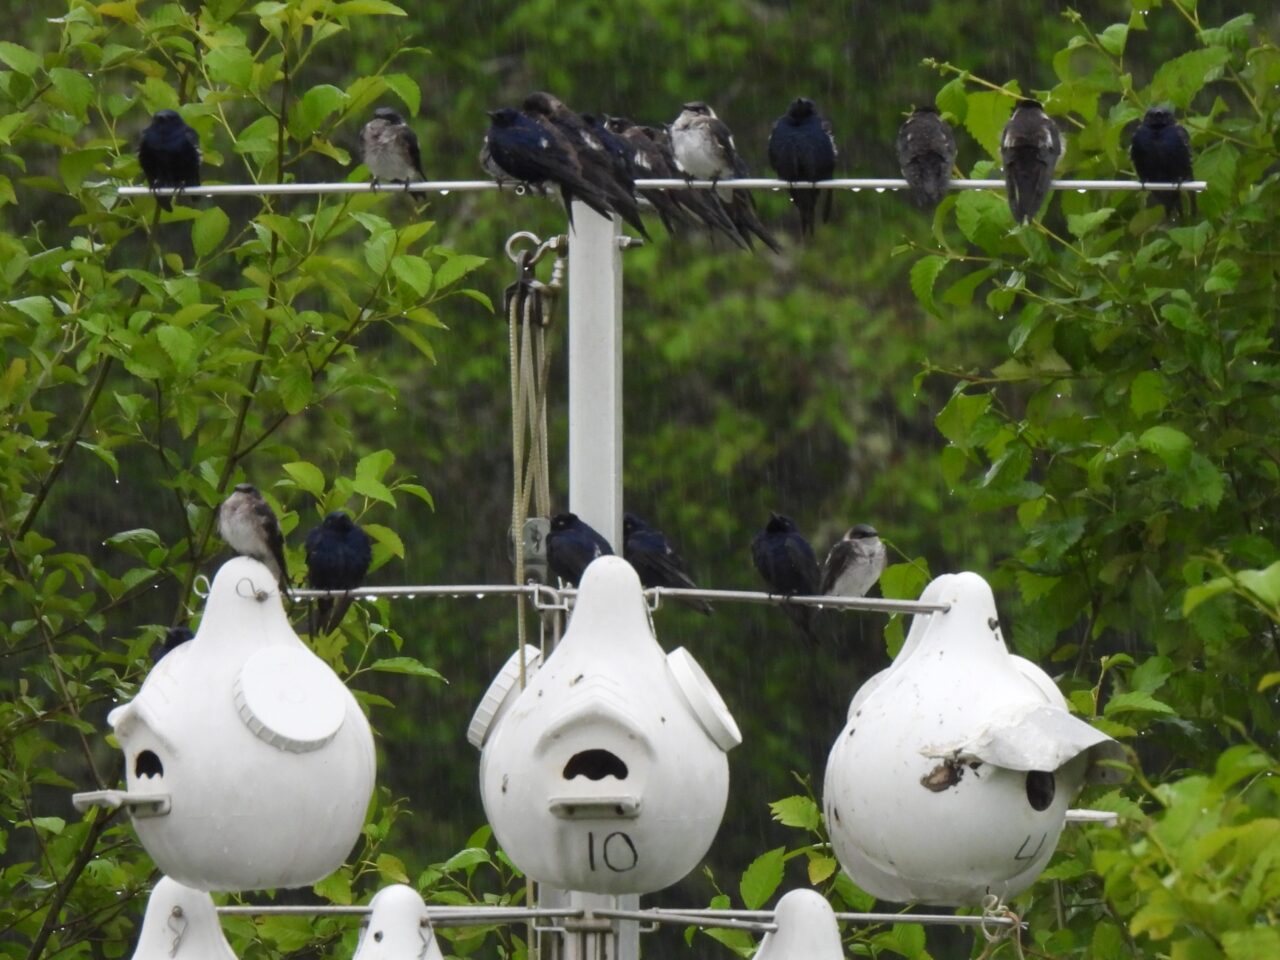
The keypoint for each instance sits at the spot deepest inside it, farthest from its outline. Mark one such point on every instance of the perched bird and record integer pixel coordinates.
(1030, 148)
(601, 168)
(1161, 153)
(926, 153)
(655, 561)
(522, 148)
(249, 526)
(704, 148)
(169, 154)
(390, 149)
(788, 565)
(174, 637)
(572, 545)
(338, 557)
(654, 159)
(854, 563)
(802, 149)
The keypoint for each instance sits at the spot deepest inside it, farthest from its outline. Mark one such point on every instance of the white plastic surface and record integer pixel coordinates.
(600, 777)
(704, 699)
(398, 928)
(807, 930)
(181, 924)
(501, 694)
(932, 787)
(290, 699)
(248, 810)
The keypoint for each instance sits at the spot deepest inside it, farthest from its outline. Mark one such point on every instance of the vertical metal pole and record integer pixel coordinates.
(595, 372)
(595, 451)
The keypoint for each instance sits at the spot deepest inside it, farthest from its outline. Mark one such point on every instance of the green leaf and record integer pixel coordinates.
(952, 99)
(75, 90)
(762, 877)
(179, 345)
(307, 476)
(987, 113)
(208, 229)
(1258, 943)
(405, 665)
(1181, 78)
(367, 7)
(1223, 277)
(821, 869)
(1147, 393)
(1113, 38)
(391, 868)
(19, 59)
(983, 217)
(414, 271)
(375, 465)
(958, 417)
(796, 811)
(1263, 584)
(466, 859)
(39, 309)
(336, 888)
(1136, 701)
(1169, 444)
(924, 274)
(406, 88)
(230, 64)
(387, 538)
(1082, 224)
(315, 107)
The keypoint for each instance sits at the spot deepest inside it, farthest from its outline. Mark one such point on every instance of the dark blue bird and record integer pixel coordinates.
(1161, 153)
(788, 565)
(169, 154)
(338, 557)
(520, 147)
(655, 561)
(802, 150)
(173, 638)
(572, 545)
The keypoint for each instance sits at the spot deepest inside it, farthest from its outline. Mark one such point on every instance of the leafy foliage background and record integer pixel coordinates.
(1084, 411)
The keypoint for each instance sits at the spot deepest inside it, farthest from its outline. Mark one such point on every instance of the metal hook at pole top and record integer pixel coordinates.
(557, 244)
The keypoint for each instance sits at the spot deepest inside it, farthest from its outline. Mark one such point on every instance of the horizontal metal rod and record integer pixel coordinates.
(444, 187)
(660, 915)
(555, 596)
(440, 916)
(1081, 815)
(935, 919)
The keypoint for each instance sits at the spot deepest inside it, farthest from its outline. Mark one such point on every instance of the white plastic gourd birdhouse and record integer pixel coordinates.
(398, 928)
(952, 777)
(181, 924)
(248, 763)
(607, 773)
(807, 930)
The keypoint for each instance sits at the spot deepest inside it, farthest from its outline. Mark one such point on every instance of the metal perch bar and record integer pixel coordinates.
(444, 187)
(660, 915)
(440, 916)
(538, 591)
(934, 919)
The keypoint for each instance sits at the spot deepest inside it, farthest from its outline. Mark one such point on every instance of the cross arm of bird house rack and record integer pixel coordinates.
(445, 187)
(553, 598)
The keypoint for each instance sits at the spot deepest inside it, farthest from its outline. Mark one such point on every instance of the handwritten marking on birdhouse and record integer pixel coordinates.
(1021, 855)
(617, 852)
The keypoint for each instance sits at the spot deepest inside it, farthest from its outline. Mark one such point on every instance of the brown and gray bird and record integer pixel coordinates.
(926, 154)
(249, 526)
(1161, 153)
(1030, 148)
(855, 563)
(390, 149)
(704, 148)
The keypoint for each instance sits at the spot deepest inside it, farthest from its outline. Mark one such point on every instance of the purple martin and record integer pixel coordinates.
(704, 148)
(788, 565)
(926, 153)
(249, 526)
(526, 150)
(338, 557)
(599, 167)
(390, 149)
(655, 561)
(1161, 153)
(571, 545)
(169, 154)
(654, 159)
(174, 637)
(1030, 148)
(854, 563)
(802, 150)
